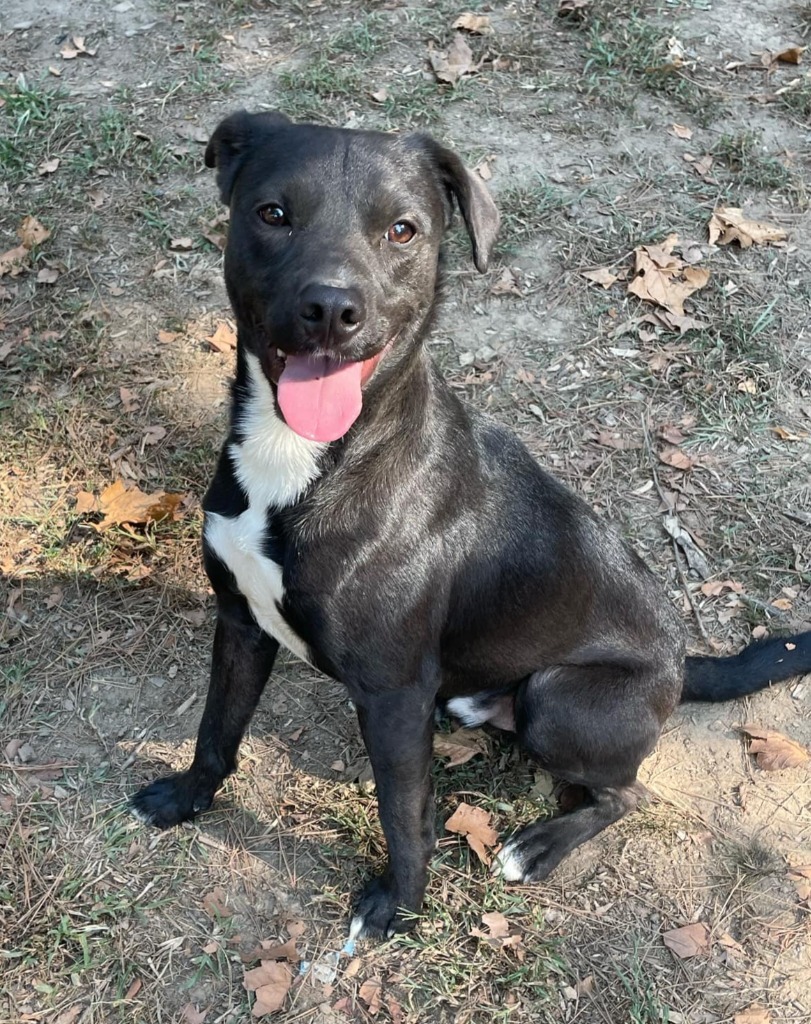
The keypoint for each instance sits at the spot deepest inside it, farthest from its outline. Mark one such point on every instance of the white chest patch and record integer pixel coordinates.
(274, 466)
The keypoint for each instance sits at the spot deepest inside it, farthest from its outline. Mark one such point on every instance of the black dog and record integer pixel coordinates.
(397, 540)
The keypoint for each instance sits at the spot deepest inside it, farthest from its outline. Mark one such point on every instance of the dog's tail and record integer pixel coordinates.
(761, 663)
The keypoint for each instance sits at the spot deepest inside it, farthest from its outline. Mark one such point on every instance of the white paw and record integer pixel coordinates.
(508, 864)
(468, 710)
(142, 816)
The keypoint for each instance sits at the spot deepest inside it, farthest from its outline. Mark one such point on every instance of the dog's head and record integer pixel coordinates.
(332, 251)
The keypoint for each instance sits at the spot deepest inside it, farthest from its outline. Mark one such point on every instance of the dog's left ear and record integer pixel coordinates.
(231, 140)
(479, 212)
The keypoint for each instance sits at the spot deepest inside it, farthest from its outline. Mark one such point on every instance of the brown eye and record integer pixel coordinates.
(401, 232)
(273, 214)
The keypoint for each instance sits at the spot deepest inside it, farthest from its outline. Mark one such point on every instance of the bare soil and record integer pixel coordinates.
(105, 636)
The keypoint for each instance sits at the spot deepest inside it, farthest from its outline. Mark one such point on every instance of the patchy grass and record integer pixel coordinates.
(104, 635)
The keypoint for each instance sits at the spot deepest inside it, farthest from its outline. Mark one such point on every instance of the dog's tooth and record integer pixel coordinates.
(279, 353)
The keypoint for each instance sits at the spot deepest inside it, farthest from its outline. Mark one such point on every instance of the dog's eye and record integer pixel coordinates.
(273, 214)
(401, 232)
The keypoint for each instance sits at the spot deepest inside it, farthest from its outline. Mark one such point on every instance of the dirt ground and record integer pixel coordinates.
(106, 375)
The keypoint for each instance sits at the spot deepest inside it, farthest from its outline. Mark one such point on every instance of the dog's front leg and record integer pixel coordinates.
(241, 663)
(397, 730)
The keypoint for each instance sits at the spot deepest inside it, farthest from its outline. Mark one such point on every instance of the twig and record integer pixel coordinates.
(679, 570)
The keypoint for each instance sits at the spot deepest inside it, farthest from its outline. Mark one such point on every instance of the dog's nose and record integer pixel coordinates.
(325, 310)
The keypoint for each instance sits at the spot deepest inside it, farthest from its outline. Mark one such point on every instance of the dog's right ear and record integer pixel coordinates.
(231, 140)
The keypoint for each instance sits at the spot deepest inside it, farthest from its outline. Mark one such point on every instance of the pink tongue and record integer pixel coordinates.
(320, 398)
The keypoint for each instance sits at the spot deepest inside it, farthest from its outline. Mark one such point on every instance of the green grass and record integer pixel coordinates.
(742, 153)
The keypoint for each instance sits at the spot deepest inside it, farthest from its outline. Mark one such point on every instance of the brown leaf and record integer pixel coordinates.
(774, 751)
(76, 48)
(13, 261)
(498, 927)
(476, 24)
(601, 276)
(452, 64)
(214, 903)
(484, 170)
(134, 989)
(48, 275)
(223, 339)
(181, 244)
(191, 1015)
(370, 992)
(154, 434)
(165, 337)
(474, 824)
(715, 587)
(663, 279)
(129, 400)
(680, 131)
(728, 224)
(788, 435)
(118, 504)
(277, 951)
(48, 166)
(295, 928)
(395, 1011)
(613, 440)
(507, 284)
(754, 1014)
(689, 940)
(793, 55)
(460, 746)
(800, 875)
(31, 232)
(675, 457)
(271, 983)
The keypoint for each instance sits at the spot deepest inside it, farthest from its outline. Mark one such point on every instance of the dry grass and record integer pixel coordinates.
(104, 639)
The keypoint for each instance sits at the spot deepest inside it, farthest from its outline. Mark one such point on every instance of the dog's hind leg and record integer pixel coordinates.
(591, 725)
(241, 664)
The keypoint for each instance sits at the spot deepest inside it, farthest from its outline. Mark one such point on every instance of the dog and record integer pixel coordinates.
(399, 541)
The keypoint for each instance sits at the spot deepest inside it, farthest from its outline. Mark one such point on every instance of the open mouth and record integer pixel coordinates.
(320, 397)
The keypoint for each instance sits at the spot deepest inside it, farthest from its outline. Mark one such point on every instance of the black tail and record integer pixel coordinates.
(761, 663)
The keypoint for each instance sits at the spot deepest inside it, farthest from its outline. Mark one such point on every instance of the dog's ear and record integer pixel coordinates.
(231, 140)
(480, 213)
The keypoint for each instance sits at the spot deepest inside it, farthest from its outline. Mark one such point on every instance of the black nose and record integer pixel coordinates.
(327, 311)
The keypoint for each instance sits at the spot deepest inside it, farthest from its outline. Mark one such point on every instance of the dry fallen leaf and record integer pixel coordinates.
(688, 941)
(223, 339)
(754, 1014)
(715, 587)
(274, 951)
(369, 992)
(460, 746)
(680, 131)
(13, 262)
(129, 400)
(270, 983)
(788, 435)
(48, 166)
(774, 751)
(191, 1015)
(48, 275)
(76, 48)
(134, 989)
(153, 434)
(119, 504)
(675, 457)
(181, 244)
(800, 875)
(474, 824)
(664, 279)
(476, 24)
(728, 224)
(451, 64)
(601, 276)
(31, 232)
(507, 284)
(793, 55)
(498, 927)
(214, 903)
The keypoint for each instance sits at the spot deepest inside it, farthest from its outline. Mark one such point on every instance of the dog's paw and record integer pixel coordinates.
(531, 855)
(171, 800)
(378, 914)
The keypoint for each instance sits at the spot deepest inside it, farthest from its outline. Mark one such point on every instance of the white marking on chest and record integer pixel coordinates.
(274, 467)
